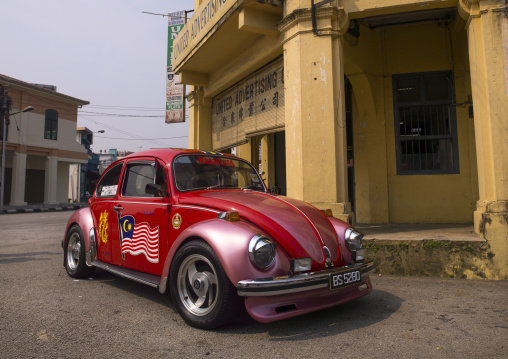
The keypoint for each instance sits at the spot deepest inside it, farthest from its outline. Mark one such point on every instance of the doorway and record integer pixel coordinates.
(280, 162)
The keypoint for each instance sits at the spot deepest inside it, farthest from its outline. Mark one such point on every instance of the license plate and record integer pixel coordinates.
(345, 278)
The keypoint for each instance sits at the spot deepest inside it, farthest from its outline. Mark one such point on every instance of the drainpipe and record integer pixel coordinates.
(313, 14)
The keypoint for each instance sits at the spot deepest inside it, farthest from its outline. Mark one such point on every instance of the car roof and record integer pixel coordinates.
(167, 154)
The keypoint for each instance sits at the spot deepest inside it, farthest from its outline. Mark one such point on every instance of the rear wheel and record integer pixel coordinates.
(74, 254)
(200, 289)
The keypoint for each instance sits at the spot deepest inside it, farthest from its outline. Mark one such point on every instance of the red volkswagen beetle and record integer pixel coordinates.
(203, 226)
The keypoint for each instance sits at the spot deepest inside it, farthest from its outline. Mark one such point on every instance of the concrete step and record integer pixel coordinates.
(434, 250)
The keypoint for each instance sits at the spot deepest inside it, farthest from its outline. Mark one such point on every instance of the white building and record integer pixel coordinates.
(40, 144)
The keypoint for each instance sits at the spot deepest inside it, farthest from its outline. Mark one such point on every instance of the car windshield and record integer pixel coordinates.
(192, 172)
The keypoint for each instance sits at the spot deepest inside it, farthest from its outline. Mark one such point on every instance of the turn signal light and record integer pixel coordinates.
(231, 216)
(327, 212)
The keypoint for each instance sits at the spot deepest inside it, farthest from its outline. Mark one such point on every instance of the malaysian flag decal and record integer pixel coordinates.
(139, 239)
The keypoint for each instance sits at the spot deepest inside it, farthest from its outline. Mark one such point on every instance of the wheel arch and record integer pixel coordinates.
(229, 241)
(83, 219)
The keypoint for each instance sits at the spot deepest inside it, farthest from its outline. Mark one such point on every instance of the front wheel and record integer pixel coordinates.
(74, 254)
(200, 289)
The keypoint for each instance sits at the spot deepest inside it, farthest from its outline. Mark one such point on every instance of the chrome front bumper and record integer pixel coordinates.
(263, 287)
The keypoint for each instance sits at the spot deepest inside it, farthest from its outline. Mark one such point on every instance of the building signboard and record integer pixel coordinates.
(254, 106)
(174, 90)
(203, 20)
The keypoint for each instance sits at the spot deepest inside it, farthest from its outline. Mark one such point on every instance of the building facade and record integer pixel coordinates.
(40, 144)
(384, 111)
(84, 177)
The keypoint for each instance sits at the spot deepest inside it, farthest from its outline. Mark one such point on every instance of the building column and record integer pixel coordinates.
(316, 147)
(200, 120)
(51, 180)
(18, 179)
(371, 165)
(487, 28)
(245, 151)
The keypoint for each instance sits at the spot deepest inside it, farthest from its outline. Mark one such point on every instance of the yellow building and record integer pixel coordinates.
(392, 111)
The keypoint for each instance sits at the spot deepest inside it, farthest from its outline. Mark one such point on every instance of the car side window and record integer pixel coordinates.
(138, 175)
(160, 178)
(108, 184)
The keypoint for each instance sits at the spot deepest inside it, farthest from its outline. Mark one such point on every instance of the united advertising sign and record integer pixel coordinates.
(174, 90)
(254, 106)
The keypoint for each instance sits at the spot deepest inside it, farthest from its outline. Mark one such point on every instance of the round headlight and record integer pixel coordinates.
(261, 251)
(353, 239)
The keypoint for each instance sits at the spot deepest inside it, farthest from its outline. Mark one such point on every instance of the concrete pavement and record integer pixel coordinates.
(47, 314)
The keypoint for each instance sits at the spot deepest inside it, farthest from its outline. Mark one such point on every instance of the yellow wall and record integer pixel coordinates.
(383, 196)
(473, 47)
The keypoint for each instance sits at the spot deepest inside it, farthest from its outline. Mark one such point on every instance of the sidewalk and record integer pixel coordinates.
(43, 208)
(419, 231)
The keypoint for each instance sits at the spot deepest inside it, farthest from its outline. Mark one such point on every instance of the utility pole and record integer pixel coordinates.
(4, 105)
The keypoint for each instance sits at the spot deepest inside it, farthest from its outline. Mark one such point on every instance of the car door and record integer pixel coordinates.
(103, 214)
(140, 239)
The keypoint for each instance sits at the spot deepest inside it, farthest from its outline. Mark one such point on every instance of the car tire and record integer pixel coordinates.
(200, 289)
(74, 254)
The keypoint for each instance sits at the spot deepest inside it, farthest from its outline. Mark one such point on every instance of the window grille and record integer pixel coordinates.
(425, 124)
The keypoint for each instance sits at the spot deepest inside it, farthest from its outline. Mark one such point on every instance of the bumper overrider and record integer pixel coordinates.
(263, 287)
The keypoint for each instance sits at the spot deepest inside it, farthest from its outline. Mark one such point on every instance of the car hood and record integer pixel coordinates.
(301, 229)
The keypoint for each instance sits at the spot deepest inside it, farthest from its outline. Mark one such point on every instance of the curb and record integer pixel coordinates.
(43, 209)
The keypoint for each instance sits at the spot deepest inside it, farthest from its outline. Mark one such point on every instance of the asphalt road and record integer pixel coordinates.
(46, 314)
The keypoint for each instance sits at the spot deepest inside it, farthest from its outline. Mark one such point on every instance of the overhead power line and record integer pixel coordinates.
(118, 114)
(125, 108)
(123, 132)
(139, 139)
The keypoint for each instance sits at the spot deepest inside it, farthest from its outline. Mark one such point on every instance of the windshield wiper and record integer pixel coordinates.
(221, 186)
(253, 186)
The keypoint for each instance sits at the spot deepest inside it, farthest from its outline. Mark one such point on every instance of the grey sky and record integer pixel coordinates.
(106, 52)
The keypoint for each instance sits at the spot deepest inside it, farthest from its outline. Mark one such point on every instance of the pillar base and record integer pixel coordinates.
(491, 222)
(341, 211)
(18, 203)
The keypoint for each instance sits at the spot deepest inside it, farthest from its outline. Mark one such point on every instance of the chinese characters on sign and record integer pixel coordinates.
(254, 105)
(174, 90)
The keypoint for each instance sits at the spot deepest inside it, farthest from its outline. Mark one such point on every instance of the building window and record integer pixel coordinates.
(51, 125)
(425, 124)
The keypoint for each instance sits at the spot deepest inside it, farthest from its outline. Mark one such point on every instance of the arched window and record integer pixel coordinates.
(51, 125)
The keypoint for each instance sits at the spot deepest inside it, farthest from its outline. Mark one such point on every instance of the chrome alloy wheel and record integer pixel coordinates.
(73, 251)
(197, 285)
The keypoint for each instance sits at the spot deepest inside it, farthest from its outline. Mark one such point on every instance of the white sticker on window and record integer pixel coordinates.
(109, 190)
(254, 177)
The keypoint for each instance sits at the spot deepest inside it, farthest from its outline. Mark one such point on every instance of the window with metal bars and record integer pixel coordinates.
(425, 123)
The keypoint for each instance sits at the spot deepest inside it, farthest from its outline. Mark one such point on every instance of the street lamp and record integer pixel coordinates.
(26, 109)
(4, 139)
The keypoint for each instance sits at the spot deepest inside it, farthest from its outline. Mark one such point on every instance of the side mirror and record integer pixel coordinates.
(156, 190)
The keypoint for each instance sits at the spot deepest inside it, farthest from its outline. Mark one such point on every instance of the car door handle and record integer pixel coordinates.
(118, 208)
